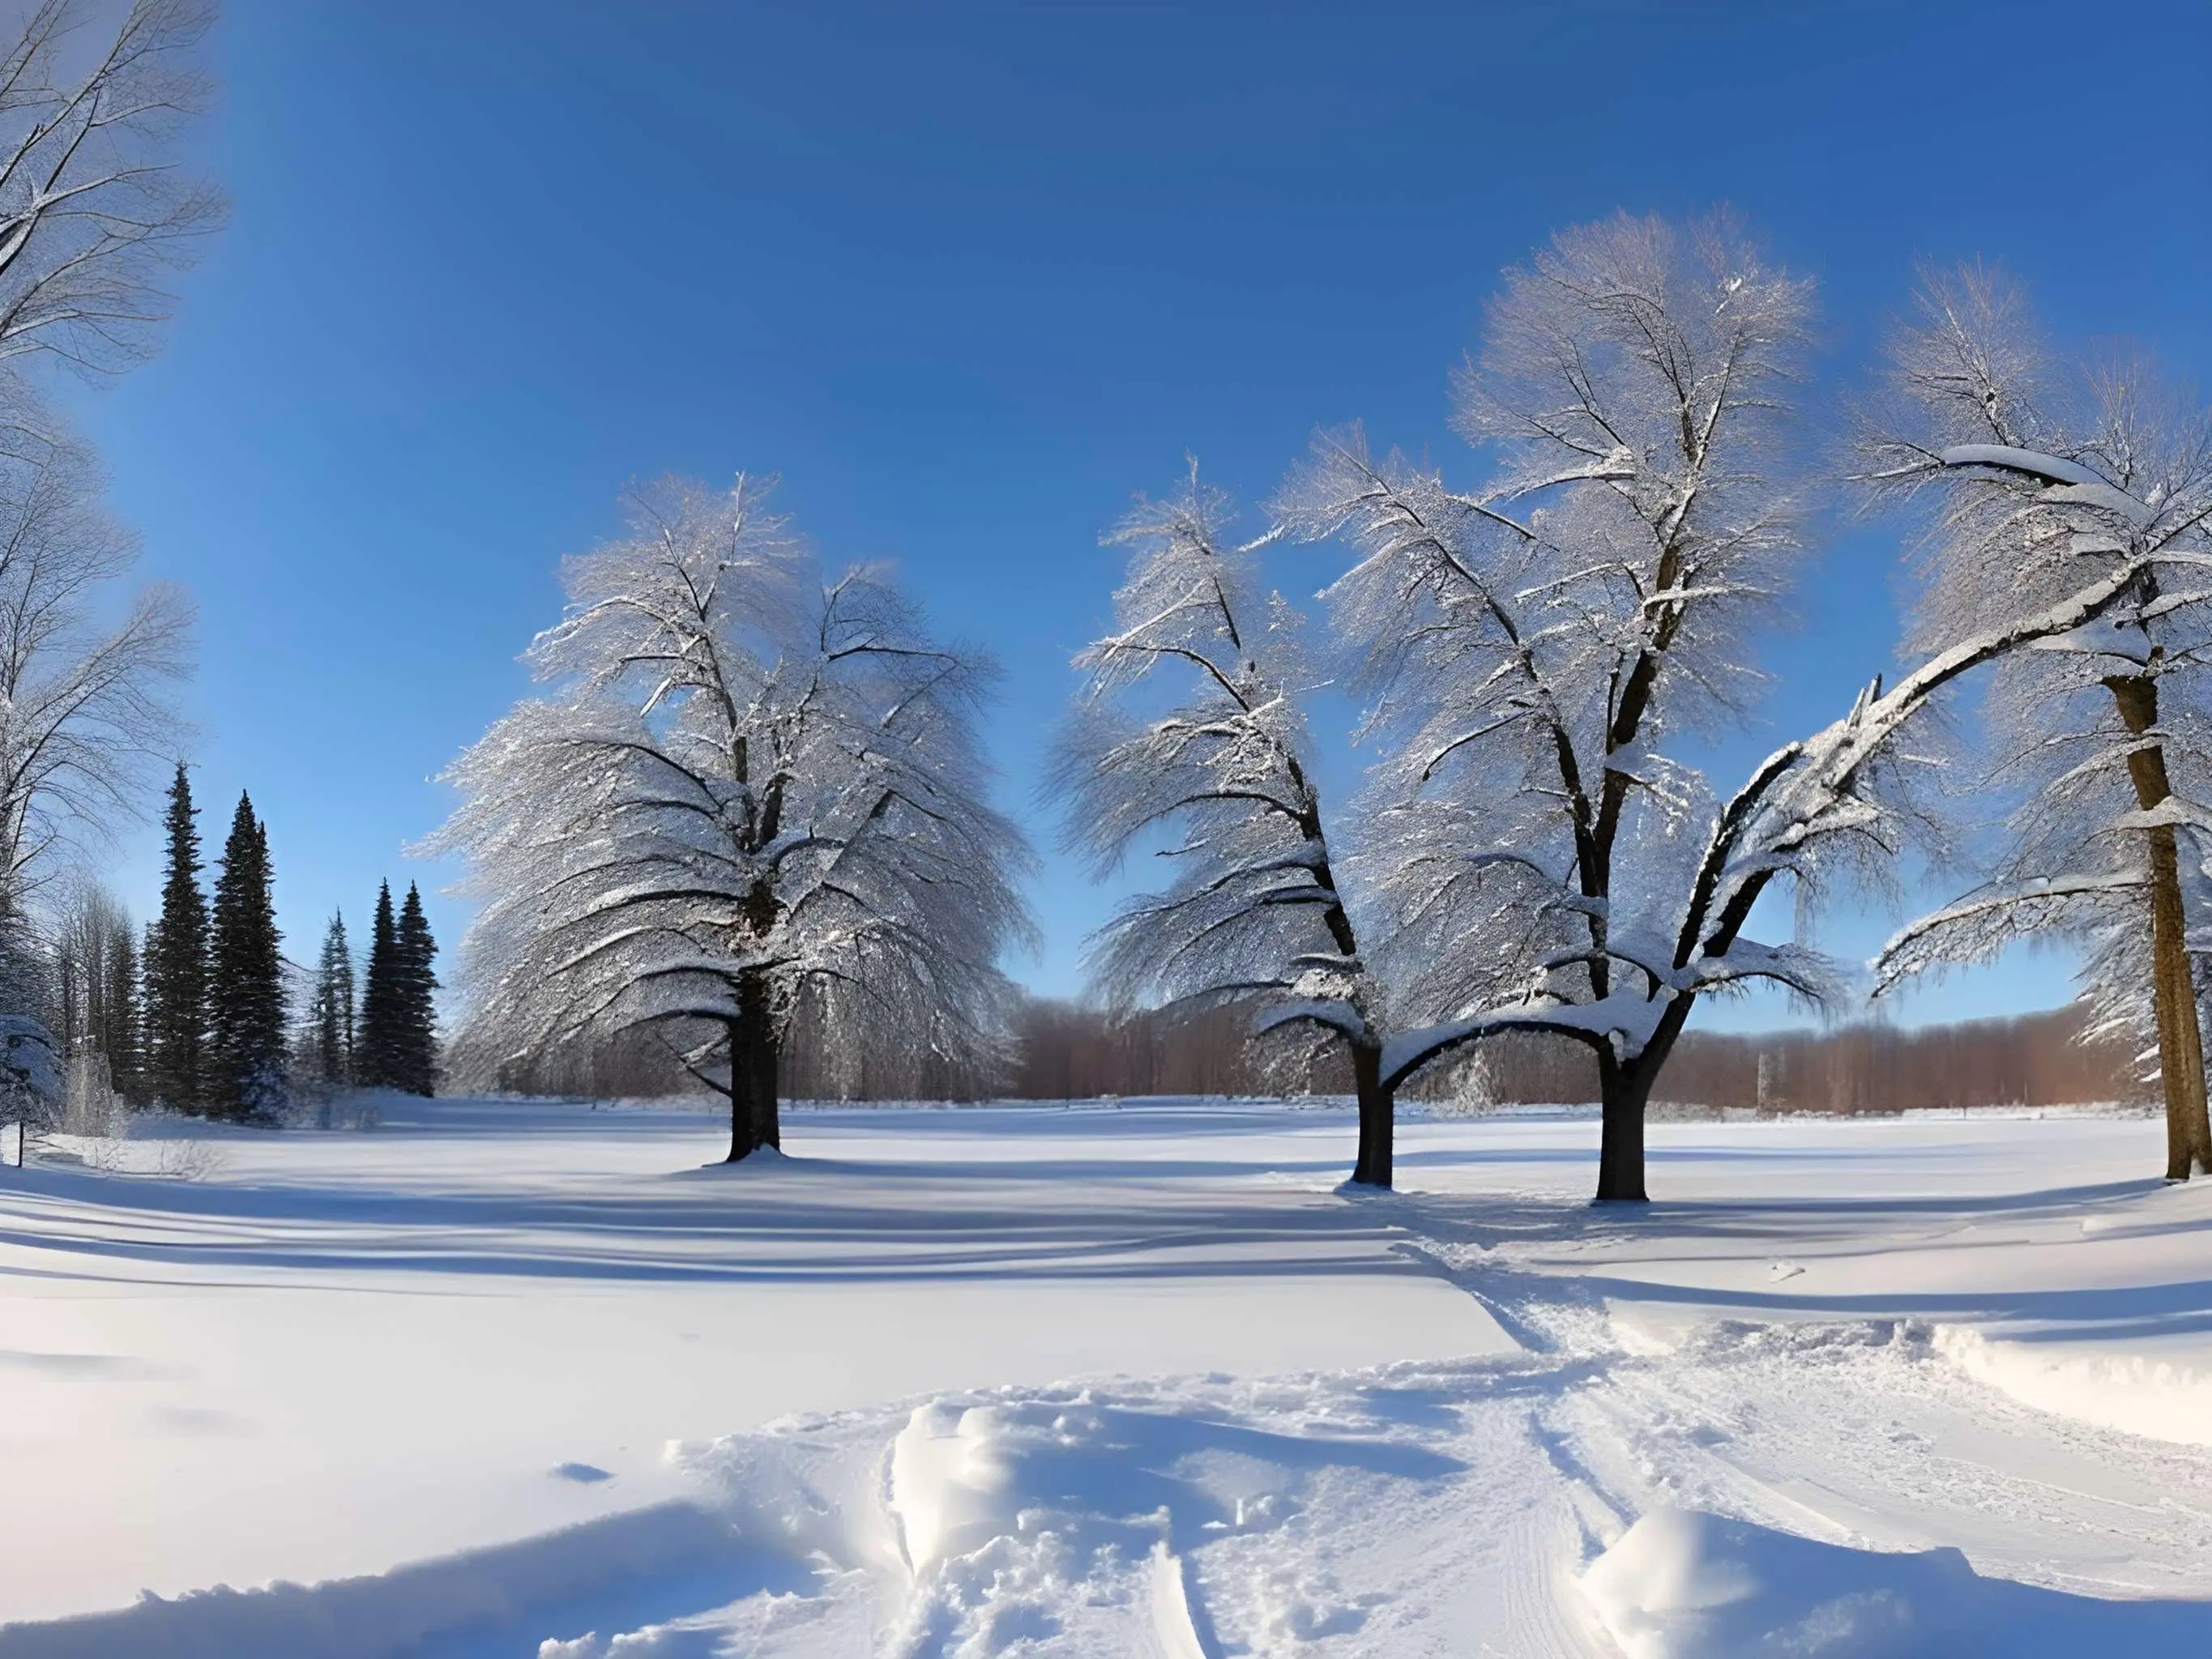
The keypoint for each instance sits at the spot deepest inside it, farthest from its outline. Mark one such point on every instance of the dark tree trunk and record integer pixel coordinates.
(754, 1122)
(1378, 1112)
(1623, 1093)
(741, 1115)
(2180, 1040)
(2173, 991)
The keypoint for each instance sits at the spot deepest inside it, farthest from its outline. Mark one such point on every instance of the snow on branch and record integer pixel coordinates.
(2034, 476)
(1622, 1023)
(1812, 792)
(741, 777)
(1534, 648)
(1189, 718)
(1978, 928)
(94, 209)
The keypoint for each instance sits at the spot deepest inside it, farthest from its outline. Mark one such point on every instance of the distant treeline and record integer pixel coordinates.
(2031, 1059)
(1068, 1051)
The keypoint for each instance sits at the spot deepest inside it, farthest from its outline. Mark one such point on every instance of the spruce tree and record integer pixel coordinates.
(333, 1009)
(246, 979)
(417, 998)
(176, 966)
(376, 1064)
(26, 984)
(121, 1039)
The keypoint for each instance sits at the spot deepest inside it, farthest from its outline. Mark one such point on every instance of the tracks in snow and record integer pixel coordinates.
(1447, 1508)
(1857, 1432)
(1420, 1509)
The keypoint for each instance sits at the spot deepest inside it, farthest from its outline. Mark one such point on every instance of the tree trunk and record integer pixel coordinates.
(1623, 1092)
(2180, 1037)
(754, 1120)
(741, 1113)
(1378, 1112)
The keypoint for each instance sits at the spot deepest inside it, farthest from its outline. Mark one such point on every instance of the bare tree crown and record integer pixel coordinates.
(2029, 473)
(1190, 733)
(85, 694)
(743, 781)
(94, 209)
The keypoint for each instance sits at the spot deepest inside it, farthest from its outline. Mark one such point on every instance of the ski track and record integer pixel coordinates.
(1854, 1433)
(1851, 1433)
(1275, 1495)
(1421, 1508)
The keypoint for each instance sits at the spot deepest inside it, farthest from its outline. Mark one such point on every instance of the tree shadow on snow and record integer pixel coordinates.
(1050, 1216)
(620, 1573)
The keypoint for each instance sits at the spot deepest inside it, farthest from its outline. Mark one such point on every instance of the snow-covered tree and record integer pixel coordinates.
(331, 1011)
(377, 1062)
(84, 681)
(2036, 476)
(1190, 726)
(1534, 648)
(1531, 856)
(93, 209)
(246, 991)
(33, 1078)
(416, 998)
(743, 784)
(176, 963)
(122, 1034)
(90, 946)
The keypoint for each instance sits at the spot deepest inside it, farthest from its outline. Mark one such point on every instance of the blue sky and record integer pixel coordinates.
(968, 277)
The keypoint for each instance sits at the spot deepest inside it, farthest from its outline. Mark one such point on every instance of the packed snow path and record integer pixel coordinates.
(1107, 1381)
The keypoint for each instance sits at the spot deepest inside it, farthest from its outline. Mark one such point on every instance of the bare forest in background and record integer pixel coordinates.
(1067, 1051)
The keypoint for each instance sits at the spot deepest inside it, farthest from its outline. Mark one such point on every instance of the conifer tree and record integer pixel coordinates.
(176, 965)
(26, 987)
(246, 983)
(332, 1015)
(121, 1038)
(418, 1070)
(376, 1062)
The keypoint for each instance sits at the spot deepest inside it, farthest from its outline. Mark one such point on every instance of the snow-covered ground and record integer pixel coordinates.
(523, 1379)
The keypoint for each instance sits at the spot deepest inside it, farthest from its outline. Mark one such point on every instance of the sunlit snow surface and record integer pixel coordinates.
(524, 1379)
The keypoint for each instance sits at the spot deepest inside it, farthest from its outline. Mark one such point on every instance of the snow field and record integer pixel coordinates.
(1864, 1389)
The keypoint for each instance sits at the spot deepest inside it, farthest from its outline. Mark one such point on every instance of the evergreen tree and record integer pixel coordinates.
(332, 1015)
(376, 1059)
(176, 966)
(26, 982)
(417, 999)
(246, 979)
(121, 1036)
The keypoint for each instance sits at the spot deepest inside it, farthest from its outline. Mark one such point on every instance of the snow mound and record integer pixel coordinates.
(952, 1482)
(1681, 1584)
(1027, 1520)
(401, 1611)
(2133, 1392)
(761, 1161)
(1067, 1517)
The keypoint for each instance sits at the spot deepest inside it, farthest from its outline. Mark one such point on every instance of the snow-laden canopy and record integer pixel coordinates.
(2032, 477)
(744, 785)
(1532, 854)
